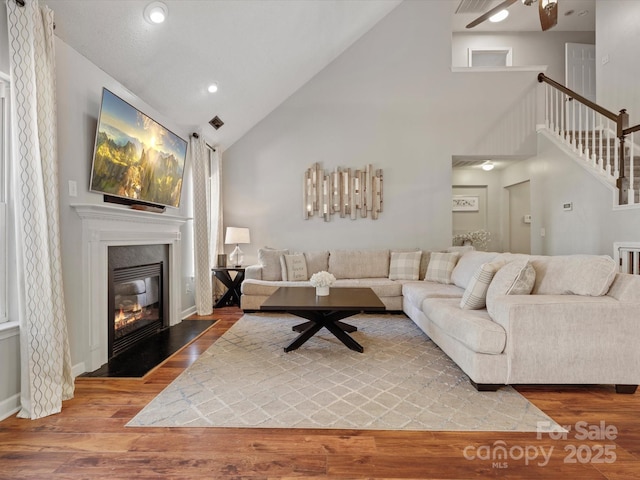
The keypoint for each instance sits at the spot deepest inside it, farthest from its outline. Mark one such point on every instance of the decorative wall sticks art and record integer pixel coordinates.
(351, 193)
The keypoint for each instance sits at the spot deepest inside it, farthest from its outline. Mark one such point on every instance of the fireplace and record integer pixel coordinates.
(135, 305)
(108, 228)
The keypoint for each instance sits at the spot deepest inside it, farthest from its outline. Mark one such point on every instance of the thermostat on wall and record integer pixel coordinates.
(527, 219)
(567, 206)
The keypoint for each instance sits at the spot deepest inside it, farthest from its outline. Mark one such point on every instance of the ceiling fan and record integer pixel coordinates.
(548, 10)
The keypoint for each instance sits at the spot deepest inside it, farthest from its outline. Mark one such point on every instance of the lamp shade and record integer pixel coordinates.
(237, 235)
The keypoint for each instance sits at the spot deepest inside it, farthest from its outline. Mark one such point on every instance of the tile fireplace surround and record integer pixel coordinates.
(103, 226)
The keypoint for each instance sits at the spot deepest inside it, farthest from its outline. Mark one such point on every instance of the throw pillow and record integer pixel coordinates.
(475, 295)
(440, 267)
(317, 261)
(269, 258)
(294, 267)
(405, 265)
(515, 278)
(468, 265)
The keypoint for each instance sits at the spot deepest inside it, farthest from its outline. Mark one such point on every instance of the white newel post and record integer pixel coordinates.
(104, 226)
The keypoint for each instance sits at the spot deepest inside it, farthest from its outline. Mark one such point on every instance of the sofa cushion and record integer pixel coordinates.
(574, 274)
(382, 287)
(270, 260)
(472, 328)
(405, 265)
(440, 266)
(514, 278)
(317, 261)
(294, 267)
(416, 292)
(475, 295)
(468, 265)
(359, 263)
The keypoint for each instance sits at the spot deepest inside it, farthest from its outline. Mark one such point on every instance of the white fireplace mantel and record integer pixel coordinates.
(112, 225)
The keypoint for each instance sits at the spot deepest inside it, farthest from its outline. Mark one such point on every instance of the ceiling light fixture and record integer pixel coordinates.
(213, 88)
(486, 166)
(500, 16)
(156, 12)
(548, 4)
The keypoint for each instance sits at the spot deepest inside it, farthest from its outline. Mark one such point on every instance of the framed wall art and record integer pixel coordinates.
(466, 203)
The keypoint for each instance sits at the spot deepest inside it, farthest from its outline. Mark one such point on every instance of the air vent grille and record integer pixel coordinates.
(474, 6)
(216, 123)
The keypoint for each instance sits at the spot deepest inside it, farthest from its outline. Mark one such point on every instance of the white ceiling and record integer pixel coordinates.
(258, 51)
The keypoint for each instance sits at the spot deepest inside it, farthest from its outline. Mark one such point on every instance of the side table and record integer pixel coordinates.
(232, 295)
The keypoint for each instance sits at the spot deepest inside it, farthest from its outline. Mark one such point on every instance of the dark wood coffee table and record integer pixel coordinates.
(323, 311)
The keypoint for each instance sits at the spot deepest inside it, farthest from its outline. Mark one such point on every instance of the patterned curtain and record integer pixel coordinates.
(217, 245)
(44, 345)
(201, 224)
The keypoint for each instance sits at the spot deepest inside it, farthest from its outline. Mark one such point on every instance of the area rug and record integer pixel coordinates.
(402, 381)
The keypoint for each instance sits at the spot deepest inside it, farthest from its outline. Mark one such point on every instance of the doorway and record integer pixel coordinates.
(519, 217)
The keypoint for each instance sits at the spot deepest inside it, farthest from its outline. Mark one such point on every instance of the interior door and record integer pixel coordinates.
(580, 76)
(519, 218)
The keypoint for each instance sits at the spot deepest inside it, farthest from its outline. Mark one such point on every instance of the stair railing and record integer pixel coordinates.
(594, 133)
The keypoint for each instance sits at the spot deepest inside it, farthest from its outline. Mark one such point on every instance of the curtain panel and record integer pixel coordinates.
(46, 378)
(202, 224)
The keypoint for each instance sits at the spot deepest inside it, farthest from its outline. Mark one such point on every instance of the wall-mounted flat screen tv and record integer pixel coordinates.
(135, 158)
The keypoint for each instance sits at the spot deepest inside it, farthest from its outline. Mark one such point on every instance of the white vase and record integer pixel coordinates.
(322, 291)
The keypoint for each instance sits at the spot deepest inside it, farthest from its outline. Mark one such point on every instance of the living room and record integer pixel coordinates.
(390, 100)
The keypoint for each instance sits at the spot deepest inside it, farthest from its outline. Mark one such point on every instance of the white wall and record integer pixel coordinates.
(529, 48)
(390, 100)
(592, 226)
(79, 89)
(618, 37)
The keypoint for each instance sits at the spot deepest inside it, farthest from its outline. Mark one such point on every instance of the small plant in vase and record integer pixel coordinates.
(322, 281)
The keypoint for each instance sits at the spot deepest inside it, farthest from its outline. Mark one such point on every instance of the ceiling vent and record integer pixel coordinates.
(474, 6)
(215, 122)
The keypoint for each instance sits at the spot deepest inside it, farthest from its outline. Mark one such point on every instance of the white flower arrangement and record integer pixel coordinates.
(322, 279)
(479, 239)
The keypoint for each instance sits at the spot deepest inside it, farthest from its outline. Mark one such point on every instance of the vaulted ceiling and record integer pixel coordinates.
(259, 52)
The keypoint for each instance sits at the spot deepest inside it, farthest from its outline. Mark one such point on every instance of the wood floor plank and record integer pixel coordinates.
(89, 439)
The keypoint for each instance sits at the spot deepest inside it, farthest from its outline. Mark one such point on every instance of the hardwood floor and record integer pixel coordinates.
(89, 440)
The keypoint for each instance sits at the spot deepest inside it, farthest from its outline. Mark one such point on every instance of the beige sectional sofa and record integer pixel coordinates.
(503, 318)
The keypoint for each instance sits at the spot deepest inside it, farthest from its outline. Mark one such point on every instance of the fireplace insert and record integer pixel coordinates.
(135, 305)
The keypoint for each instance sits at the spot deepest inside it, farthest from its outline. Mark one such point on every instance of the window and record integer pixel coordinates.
(490, 57)
(4, 154)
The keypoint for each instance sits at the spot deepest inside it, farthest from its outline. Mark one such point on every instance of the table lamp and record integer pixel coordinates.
(236, 235)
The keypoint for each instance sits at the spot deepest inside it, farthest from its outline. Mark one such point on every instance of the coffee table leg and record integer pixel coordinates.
(301, 327)
(304, 336)
(343, 337)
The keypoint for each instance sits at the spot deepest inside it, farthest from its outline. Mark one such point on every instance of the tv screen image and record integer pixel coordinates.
(135, 157)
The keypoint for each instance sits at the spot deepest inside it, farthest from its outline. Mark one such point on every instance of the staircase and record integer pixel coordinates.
(599, 138)
(600, 148)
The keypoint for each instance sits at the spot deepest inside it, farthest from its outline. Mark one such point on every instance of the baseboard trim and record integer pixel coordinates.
(188, 312)
(10, 406)
(78, 369)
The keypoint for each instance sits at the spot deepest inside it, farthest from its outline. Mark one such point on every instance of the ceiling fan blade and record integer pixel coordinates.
(491, 13)
(548, 15)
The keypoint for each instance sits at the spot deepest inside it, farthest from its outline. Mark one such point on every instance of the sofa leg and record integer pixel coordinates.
(626, 388)
(485, 387)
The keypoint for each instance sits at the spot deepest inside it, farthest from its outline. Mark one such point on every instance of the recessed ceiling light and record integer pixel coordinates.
(213, 88)
(582, 13)
(500, 16)
(156, 12)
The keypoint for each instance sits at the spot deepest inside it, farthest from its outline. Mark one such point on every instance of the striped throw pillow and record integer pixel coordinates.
(475, 295)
